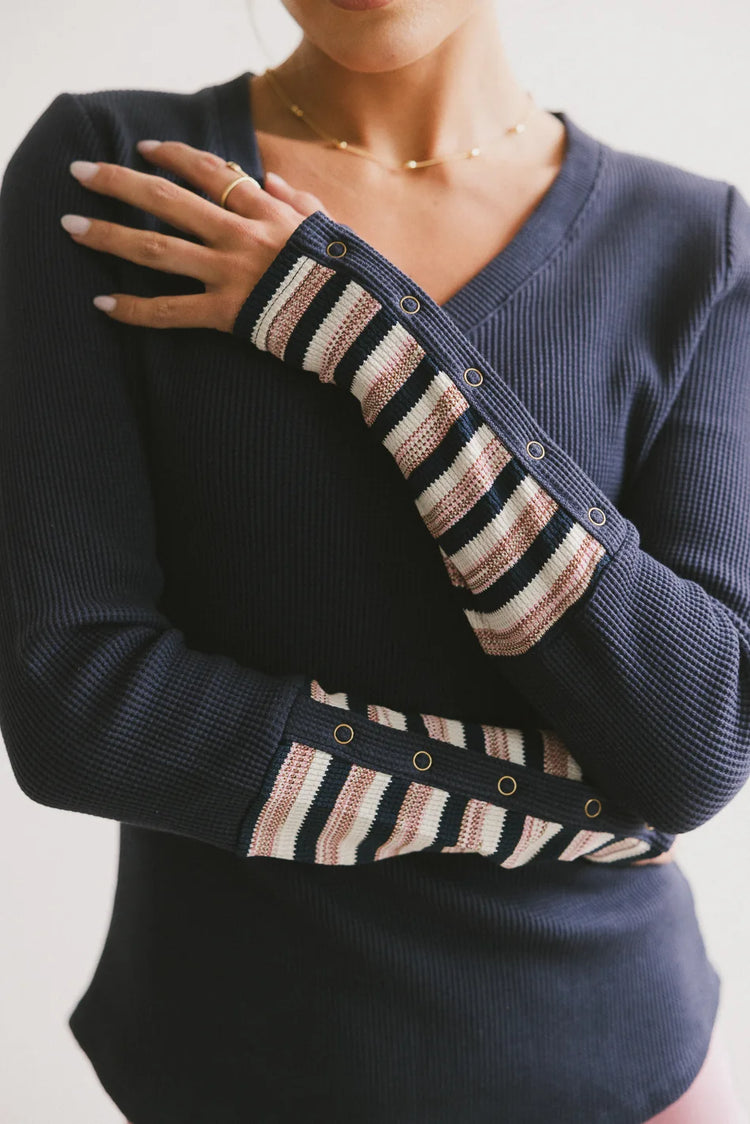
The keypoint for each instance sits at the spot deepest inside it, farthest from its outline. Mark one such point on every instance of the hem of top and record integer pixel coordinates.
(657, 1104)
(119, 1094)
(120, 1090)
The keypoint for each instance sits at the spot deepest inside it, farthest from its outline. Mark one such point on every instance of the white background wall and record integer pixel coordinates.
(660, 77)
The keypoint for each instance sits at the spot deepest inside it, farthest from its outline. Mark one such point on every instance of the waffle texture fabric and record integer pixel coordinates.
(198, 527)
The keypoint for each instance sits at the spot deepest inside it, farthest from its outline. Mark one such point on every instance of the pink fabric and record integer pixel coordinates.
(712, 1097)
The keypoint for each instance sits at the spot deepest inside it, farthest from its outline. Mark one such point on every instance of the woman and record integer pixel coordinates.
(199, 533)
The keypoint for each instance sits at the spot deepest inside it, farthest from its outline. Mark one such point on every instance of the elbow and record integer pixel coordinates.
(698, 790)
(678, 820)
(36, 771)
(44, 737)
(30, 780)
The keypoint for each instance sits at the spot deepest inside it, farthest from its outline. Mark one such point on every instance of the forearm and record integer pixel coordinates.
(550, 575)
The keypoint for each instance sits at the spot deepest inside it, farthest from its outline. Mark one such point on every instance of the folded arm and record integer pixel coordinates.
(104, 707)
(628, 628)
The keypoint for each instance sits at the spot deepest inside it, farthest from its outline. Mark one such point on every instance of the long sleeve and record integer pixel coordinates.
(104, 708)
(628, 628)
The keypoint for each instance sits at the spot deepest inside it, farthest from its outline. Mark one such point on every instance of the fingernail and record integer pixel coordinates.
(147, 145)
(105, 303)
(75, 224)
(275, 176)
(83, 169)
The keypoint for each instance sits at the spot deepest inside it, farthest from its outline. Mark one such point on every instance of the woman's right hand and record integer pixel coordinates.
(240, 240)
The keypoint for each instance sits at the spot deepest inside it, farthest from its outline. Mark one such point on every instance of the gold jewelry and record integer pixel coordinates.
(358, 150)
(244, 176)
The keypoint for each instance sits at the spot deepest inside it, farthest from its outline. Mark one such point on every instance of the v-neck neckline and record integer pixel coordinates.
(541, 233)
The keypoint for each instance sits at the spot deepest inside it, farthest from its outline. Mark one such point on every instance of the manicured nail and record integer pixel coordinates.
(83, 169)
(147, 145)
(75, 224)
(105, 303)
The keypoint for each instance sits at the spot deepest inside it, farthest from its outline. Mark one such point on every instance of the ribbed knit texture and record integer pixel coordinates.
(354, 782)
(191, 526)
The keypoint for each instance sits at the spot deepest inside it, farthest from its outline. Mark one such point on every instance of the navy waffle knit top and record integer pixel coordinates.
(508, 534)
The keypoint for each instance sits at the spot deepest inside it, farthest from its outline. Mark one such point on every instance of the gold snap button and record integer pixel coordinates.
(535, 449)
(344, 727)
(594, 516)
(336, 249)
(598, 803)
(507, 791)
(422, 753)
(409, 303)
(472, 382)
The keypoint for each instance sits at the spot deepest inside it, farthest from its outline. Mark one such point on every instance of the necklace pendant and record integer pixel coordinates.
(341, 144)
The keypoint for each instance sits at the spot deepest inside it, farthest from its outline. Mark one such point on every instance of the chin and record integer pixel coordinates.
(379, 36)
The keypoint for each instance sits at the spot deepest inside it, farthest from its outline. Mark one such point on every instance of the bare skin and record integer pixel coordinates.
(439, 234)
(386, 90)
(413, 79)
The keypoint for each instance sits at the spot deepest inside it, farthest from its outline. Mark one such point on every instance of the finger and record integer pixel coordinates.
(176, 205)
(209, 172)
(195, 310)
(303, 201)
(150, 248)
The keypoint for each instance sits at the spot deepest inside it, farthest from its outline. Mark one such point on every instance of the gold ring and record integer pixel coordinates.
(228, 188)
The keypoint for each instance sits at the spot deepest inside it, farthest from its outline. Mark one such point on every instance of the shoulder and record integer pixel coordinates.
(128, 112)
(675, 218)
(663, 188)
(112, 120)
(97, 125)
(695, 230)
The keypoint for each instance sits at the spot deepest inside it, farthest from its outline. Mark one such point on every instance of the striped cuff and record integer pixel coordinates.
(522, 530)
(354, 782)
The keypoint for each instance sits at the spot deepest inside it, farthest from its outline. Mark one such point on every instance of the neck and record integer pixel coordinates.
(459, 95)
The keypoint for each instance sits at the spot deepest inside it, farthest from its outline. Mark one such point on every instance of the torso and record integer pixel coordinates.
(439, 233)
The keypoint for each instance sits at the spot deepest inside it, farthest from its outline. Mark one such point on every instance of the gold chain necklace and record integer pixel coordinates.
(358, 150)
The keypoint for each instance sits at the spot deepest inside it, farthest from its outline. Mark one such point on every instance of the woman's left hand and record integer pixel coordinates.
(241, 240)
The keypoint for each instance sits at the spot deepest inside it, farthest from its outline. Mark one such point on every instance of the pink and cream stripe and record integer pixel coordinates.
(356, 810)
(561, 581)
(463, 480)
